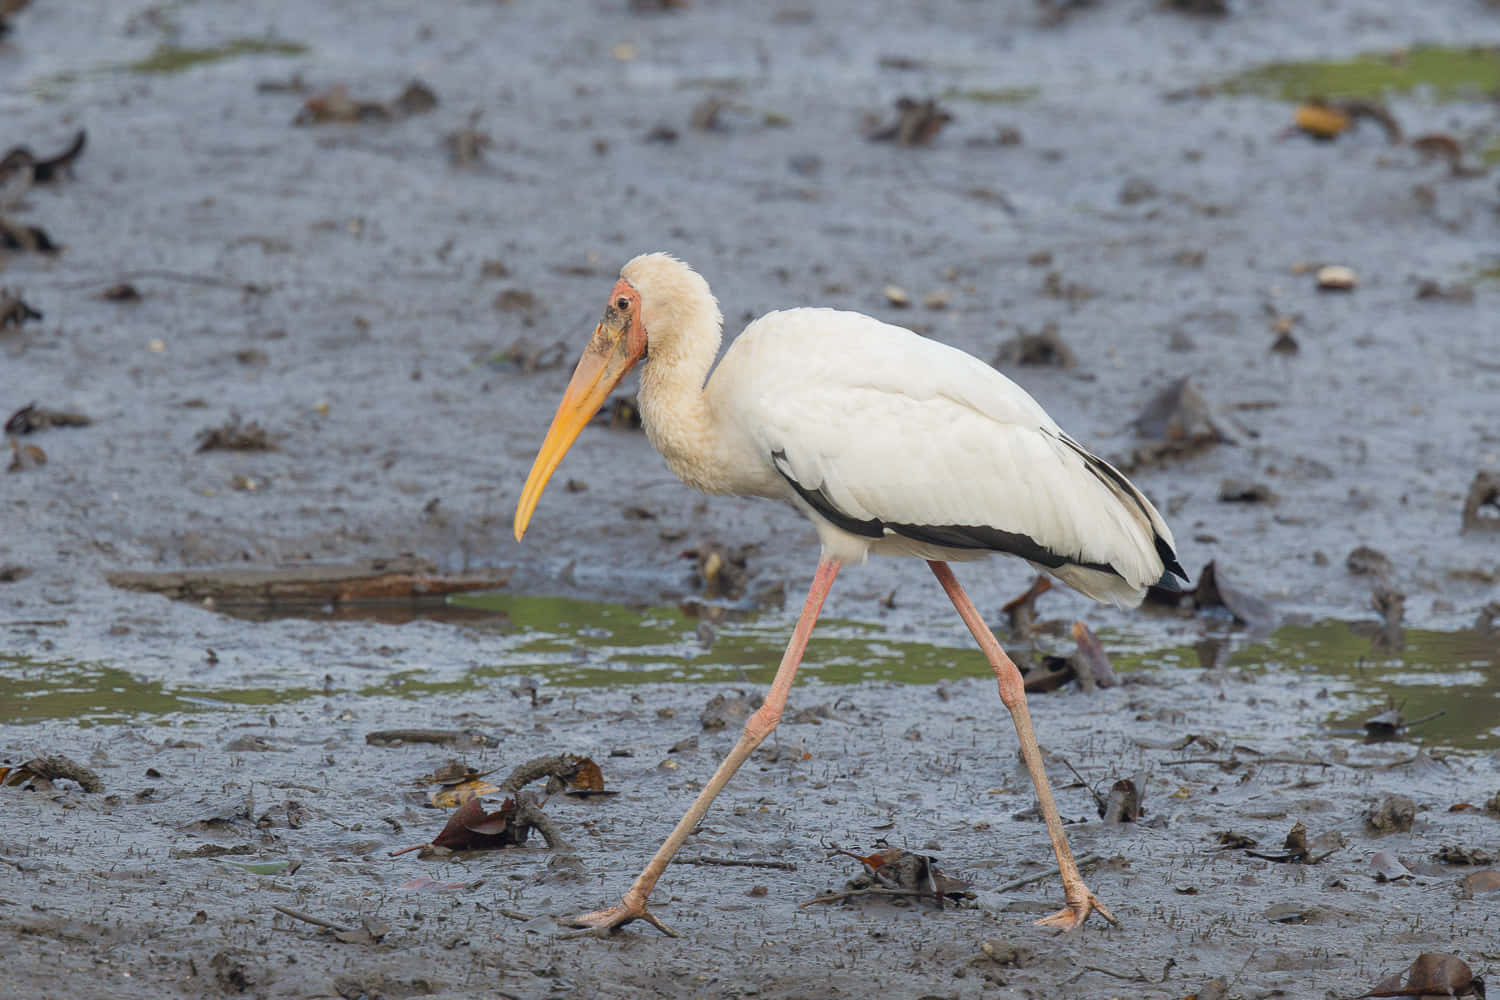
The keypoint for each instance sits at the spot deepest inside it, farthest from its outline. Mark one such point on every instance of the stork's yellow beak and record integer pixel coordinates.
(618, 343)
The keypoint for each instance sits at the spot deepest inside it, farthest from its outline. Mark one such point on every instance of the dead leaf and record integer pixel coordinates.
(1213, 591)
(1481, 883)
(1482, 505)
(1123, 804)
(588, 779)
(1394, 814)
(1432, 974)
(1294, 849)
(43, 170)
(898, 874)
(1022, 610)
(14, 311)
(29, 239)
(1235, 841)
(722, 711)
(1323, 119)
(32, 418)
(723, 572)
(335, 105)
(24, 456)
(454, 795)
(123, 292)
(470, 828)
(455, 772)
(233, 435)
(1386, 867)
(45, 770)
(1042, 349)
(1091, 663)
(1176, 423)
(917, 123)
(1239, 491)
(1454, 854)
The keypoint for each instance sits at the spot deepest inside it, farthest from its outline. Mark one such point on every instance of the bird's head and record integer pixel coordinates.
(656, 292)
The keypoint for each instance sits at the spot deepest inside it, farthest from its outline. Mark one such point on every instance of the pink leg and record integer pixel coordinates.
(633, 905)
(1013, 693)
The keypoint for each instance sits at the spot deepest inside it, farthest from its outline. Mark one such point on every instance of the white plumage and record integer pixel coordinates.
(895, 428)
(888, 442)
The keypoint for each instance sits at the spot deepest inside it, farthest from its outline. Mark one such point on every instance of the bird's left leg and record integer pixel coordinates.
(764, 719)
(1080, 900)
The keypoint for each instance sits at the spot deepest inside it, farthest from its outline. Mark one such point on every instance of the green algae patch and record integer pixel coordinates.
(173, 59)
(567, 643)
(1447, 73)
(591, 644)
(95, 694)
(991, 95)
(1455, 675)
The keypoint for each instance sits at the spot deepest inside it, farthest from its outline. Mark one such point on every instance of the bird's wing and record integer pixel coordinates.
(888, 434)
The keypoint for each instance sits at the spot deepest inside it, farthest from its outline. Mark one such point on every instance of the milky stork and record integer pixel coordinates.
(889, 443)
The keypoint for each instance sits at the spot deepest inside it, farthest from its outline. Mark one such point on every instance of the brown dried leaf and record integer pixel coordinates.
(917, 123)
(1432, 974)
(14, 310)
(1482, 505)
(44, 170)
(588, 778)
(235, 436)
(32, 418)
(471, 828)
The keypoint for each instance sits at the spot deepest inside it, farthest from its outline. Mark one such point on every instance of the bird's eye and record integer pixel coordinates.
(622, 303)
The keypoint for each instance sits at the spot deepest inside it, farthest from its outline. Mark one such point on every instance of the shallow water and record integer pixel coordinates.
(1444, 73)
(569, 643)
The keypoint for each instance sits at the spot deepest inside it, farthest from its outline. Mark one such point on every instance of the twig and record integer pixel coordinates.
(874, 890)
(516, 915)
(786, 866)
(1098, 800)
(165, 275)
(1087, 859)
(1426, 718)
(1238, 762)
(308, 918)
(1138, 977)
(35, 623)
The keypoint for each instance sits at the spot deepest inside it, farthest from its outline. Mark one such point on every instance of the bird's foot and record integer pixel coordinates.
(610, 920)
(1080, 905)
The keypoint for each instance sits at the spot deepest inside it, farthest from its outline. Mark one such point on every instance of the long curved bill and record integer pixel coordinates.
(609, 357)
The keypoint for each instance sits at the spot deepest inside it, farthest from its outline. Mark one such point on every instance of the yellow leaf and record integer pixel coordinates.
(454, 796)
(1321, 120)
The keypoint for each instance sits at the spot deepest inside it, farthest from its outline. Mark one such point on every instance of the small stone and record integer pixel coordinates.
(1337, 278)
(896, 296)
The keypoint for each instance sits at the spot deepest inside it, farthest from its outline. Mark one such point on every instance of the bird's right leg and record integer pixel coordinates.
(1080, 901)
(632, 905)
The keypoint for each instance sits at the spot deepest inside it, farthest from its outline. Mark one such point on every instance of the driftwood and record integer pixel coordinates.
(402, 578)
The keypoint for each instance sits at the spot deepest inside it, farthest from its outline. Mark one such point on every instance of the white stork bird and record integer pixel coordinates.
(888, 443)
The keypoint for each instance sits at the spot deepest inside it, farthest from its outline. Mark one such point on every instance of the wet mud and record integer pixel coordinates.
(286, 287)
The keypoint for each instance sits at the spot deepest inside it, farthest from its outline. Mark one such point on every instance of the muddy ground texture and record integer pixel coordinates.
(365, 304)
(146, 888)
